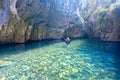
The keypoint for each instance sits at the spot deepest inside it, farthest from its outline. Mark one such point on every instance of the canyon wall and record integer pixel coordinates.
(24, 20)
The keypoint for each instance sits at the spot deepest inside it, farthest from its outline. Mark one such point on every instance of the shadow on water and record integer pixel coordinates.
(12, 49)
(105, 50)
(114, 49)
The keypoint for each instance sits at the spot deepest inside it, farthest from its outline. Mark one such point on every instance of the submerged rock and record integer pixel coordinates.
(24, 78)
(4, 78)
(5, 63)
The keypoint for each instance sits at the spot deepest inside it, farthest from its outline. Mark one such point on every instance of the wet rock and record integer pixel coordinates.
(4, 78)
(5, 63)
(74, 70)
(63, 74)
(25, 67)
(24, 78)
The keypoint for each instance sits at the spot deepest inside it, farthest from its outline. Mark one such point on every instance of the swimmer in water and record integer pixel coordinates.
(67, 40)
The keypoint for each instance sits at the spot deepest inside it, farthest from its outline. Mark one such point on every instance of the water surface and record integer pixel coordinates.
(54, 60)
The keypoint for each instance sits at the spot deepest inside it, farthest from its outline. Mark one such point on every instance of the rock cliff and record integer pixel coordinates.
(23, 20)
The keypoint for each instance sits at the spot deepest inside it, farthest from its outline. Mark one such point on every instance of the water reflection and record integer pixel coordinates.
(11, 49)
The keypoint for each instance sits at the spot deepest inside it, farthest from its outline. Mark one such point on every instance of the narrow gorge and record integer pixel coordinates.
(59, 39)
(31, 20)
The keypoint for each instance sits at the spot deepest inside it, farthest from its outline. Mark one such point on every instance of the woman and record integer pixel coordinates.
(67, 40)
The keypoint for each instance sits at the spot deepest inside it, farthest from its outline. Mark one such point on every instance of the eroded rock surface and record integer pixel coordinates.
(23, 20)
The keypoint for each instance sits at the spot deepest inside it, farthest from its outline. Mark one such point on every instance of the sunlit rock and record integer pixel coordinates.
(13, 8)
(56, 19)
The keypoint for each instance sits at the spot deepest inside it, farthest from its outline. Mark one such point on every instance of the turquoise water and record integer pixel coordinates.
(54, 60)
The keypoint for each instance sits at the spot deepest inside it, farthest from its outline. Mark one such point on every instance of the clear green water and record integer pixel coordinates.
(53, 60)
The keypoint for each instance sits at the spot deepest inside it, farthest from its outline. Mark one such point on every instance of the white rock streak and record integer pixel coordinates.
(13, 8)
(79, 15)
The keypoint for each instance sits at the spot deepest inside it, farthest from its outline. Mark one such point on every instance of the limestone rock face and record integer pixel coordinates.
(105, 23)
(23, 20)
(12, 29)
(112, 24)
(4, 10)
(15, 31)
